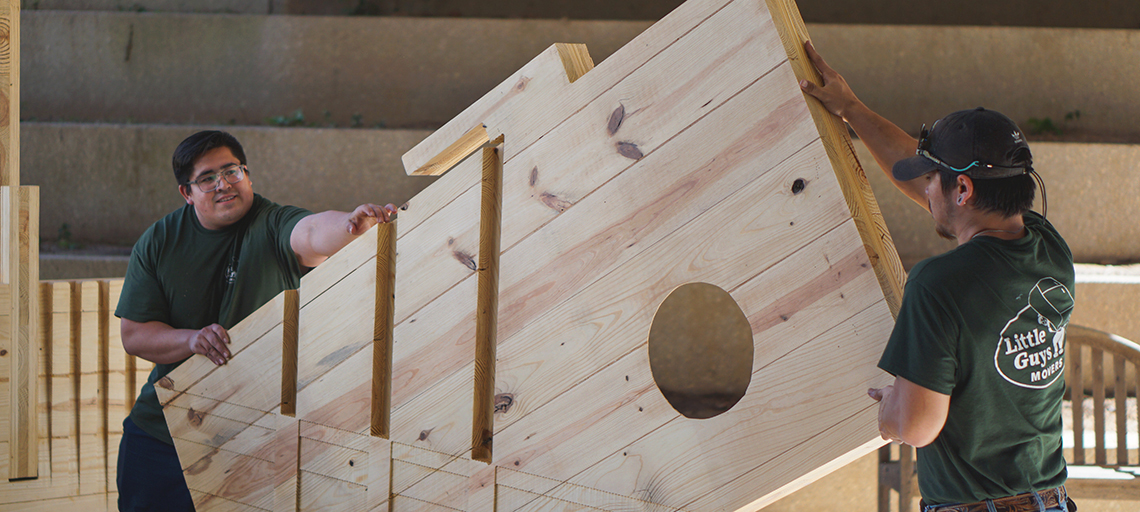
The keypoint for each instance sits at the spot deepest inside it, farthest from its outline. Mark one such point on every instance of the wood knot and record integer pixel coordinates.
(424, 434)
(165, 383)
(615, 120)
(521, 85)
(554, 202)
(629, 150)
(202, 465)
(534, 176)
(798, 185)
(195, 417)
(503, 402)
(3, 352)
(351, 463)
(467, 260)
(404, 207)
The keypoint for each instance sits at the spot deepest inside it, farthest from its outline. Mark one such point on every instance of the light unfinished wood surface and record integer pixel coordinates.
(688, 156)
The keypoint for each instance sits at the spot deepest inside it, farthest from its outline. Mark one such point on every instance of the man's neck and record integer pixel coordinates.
(991, 224)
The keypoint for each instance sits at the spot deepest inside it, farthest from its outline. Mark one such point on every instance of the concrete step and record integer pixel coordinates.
(1022, 13)
(420, 72)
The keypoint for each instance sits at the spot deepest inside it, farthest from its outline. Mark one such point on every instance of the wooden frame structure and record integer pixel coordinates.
(488, 351)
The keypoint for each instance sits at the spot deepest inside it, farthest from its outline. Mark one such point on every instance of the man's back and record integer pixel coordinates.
(984, 323)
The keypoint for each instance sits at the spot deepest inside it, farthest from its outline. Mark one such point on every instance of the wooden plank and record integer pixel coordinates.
(1120, 394)
(87, 503)
(487, 308)
(852, 180)
(24, 288)
(1098, 406)
(465, 146)
(286, 459)
(638, 221)
(576, 60)
(65, 386)
(243, 469)
(383, 329)
(291, 314)
(262, 328)
(342, 469)
(336, 324)
(91, 354)
(543, 86)
(628, 296)
(337, 267)
(10, 95)
(544, 442)
(1074, 375)
(539, 490)
(233, 383)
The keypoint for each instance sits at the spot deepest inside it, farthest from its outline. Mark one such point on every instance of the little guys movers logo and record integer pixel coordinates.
(1031, 349)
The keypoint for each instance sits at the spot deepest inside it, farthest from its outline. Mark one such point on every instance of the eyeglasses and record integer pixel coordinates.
(924, 151)
(211, 182)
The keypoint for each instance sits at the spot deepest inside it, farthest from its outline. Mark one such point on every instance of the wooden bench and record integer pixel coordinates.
(1099, 365)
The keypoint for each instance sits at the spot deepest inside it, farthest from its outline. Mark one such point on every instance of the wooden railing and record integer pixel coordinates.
(85, 386)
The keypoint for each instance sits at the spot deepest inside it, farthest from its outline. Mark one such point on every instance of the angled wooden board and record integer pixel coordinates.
(690, 155)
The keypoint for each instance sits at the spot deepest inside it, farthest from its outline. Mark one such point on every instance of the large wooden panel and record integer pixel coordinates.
(688, 156)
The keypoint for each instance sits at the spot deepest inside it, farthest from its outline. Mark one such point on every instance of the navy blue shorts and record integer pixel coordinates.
(150, 477)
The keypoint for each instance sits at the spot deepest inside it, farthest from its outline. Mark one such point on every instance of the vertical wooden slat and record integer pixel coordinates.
(1120, 394)
(884, 486)
(92, 393)
(65, 381)
(906, 476)
(24, 286)
(290, 321)
(383, 329)
(486, 316)
(1098, 405)
(1074, 376)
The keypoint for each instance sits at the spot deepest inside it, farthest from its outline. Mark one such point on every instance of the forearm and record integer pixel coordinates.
(321, 235)
(909, 413)
(887, 143)
(156, 342)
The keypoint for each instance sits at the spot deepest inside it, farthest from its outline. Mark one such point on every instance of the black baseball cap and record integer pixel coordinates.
(979, 143)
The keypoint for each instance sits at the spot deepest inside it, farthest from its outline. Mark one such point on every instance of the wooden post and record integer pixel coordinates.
(383, 329)
(22, 228)
(291, 321)
(486, 317)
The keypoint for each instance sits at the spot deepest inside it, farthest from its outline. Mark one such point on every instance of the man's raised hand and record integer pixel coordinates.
(367, 215)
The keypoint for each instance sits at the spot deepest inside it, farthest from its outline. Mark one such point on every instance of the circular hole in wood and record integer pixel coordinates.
(700, 350)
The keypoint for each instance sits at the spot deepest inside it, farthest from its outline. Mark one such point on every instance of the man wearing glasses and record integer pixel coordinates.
(978, 347)
(195, 274)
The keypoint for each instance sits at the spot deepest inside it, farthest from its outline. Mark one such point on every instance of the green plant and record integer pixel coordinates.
(357, 120)
(297, 118)
(1039, 126)
(63, 238)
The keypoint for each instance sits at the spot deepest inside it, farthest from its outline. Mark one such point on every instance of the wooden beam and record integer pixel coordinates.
(575, 60)
(291, 316)
(23, 236)
(383, 325)
(487, 309)
(10, 93)
(458, 151)
(852, 180)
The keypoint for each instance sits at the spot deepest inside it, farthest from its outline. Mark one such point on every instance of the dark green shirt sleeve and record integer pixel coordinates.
(922, 347)
(142, 299)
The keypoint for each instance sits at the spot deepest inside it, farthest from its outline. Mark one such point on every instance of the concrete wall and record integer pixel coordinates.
(915, 75)
(419, 73)
(1092, 193)
(231, 69)
(1037, 13)
(109, 183)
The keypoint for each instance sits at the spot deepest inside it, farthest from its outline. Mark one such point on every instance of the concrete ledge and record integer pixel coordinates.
(1023, 13)
(65, 266)
(1108, 299)
(1092, 201)
(110, 182)
(420, 72)
(917, 74)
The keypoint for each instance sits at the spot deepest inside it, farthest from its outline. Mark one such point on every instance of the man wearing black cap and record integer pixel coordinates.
(978, 348)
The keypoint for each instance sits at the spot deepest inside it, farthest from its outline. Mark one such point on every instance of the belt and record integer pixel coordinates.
(1024, 502)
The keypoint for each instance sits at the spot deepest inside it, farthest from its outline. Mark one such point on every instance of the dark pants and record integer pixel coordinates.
(150, 477)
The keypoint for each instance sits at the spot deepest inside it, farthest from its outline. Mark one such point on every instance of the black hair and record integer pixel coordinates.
(190, 150)
(1007, 196)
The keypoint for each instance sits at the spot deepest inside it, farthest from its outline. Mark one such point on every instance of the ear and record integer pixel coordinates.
(964, 191)
(185, 191)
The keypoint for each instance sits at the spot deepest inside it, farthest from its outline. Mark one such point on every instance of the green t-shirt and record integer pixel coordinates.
(985, 324)
(182, 274)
